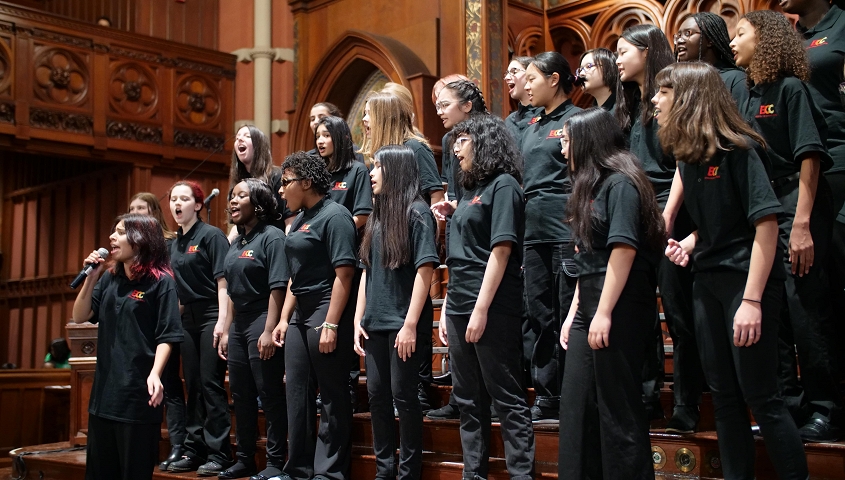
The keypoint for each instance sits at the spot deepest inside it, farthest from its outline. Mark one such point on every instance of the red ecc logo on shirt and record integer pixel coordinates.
(305, 228)
(340, 186)
(137, 295)
(767, 111)
(475, 200)
(534, 120)
(712, 173)
(818, 43)
(194, 249)
(555, 134)
(247, 254)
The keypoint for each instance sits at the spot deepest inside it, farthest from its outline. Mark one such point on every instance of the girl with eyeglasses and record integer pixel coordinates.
(515, 80)
(598, 76)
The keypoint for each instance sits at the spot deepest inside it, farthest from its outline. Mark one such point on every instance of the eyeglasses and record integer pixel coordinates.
(288, 181)
(459, 143)
(685, 34)
(441, 106)
(581, 71)
(513, 72)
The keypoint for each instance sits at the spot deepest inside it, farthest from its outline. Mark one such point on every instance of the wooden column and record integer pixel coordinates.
(487, 49)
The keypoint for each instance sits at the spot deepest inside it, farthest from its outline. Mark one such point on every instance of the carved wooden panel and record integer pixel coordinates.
(61, 75)
(6, 66)
(133, 90)
(197, 101)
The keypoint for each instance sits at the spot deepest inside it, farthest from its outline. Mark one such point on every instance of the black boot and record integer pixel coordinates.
(176, 452)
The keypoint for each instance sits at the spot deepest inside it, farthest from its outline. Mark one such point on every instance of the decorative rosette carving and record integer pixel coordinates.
(197, 100)
(133, 90)
(61, 76)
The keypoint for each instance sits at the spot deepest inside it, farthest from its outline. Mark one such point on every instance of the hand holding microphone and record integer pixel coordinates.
(91, 263)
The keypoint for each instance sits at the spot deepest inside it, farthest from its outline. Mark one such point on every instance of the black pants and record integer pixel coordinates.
(549, 291)
(603, 425)
(208, 418)
(174, 397)
(120, 450)
(329, 454)
(744, 375)
(486, 371)
(390, 379)
(805, 318)
(836, 270)
(250, 378)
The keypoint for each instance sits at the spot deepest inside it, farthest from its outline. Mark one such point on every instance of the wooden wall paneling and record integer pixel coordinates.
(192, 23)
(22, 411)
(46, 235)
(18, 222)
(23, 53)
(26, 339)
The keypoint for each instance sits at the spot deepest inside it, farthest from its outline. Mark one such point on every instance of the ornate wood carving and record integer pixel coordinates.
(133, 90)
(6, 67)
(7, 112)
(197, 101)
(64, 121)
(61, 76)
(473, 40)
(527, 41)
(199, 141)
(134, 131)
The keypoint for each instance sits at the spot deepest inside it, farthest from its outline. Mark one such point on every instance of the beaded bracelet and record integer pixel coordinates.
(330, 326)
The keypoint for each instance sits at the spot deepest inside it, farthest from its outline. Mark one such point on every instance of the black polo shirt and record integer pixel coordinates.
(790, 122)
(518, 120)
(321, 238)
(198, 259)
(546, 177)
(490, 214)
(389, 290)
(617, 219)
(659, 167)
(724, 198)
(358, 156)
(351, 188)
(825, 45)
(429, 178)
(609, 105)
(451, 170)
(134, 317)
(255, 265)
(737, 83)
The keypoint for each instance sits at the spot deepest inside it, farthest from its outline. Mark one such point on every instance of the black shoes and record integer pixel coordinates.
(186, 464)
(684, 419)
(544, 414)
(270, 473)
(176, 452)
(820, 429)
(239, 470)
(446, 412)
(211, 468)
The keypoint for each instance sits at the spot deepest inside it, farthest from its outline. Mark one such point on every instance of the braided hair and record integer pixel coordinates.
(715, 30)
(467, 91)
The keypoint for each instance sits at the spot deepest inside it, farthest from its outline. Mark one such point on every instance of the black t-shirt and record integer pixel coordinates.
(429, 178)
(321, 238)
(825, 45)
(351, 188)
(389, 290)
(358, 156)
(791, 123)
(518, 120)
(490, 214)
(616, 219)
(255, 265)
(735, 80)
(659, 167)
(198, 260)
(451, 170)
(134, 317)
(724, 198)
(546, 177)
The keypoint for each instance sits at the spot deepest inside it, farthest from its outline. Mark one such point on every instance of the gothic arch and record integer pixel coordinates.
(611, 22)
(345, 68)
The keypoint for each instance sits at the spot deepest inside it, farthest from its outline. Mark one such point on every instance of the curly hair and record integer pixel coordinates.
(261, 197)
(262, 159)
(494, 150)
(309, 167)
(779, 52)
(704, 117)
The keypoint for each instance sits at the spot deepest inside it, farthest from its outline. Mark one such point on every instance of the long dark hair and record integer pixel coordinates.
(651, 38)
(553, 62)
(344, 154)
(605, 61)
(714, 30)
(494, 150)
(597, 150)
(392, 208)
(144, 234)
(704, 117)
(262, 159)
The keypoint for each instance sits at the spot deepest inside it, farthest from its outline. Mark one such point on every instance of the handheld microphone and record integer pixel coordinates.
(88, 269)
(213, 194)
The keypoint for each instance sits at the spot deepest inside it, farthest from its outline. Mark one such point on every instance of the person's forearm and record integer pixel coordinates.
(437, 196)
(762, 257)
(618, 268)
(807, 185)
(82, 305)
(573, 307)
(360, 220)
(419, 294)
(493, 274)
(223, 317)
(340, 293)
(290, 303)
(361, 305)
(673, 203)
(274, 309)
(162, 354)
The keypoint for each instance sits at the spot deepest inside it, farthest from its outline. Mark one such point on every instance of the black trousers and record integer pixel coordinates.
(740, 376)
(120, 450)
(329, 454)
(548, 291)
(390, 379)
(836, 270)
(490, 370)
(208, 419)
(805, 318)
(250, 378)
(174, 397)
(603, 425)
